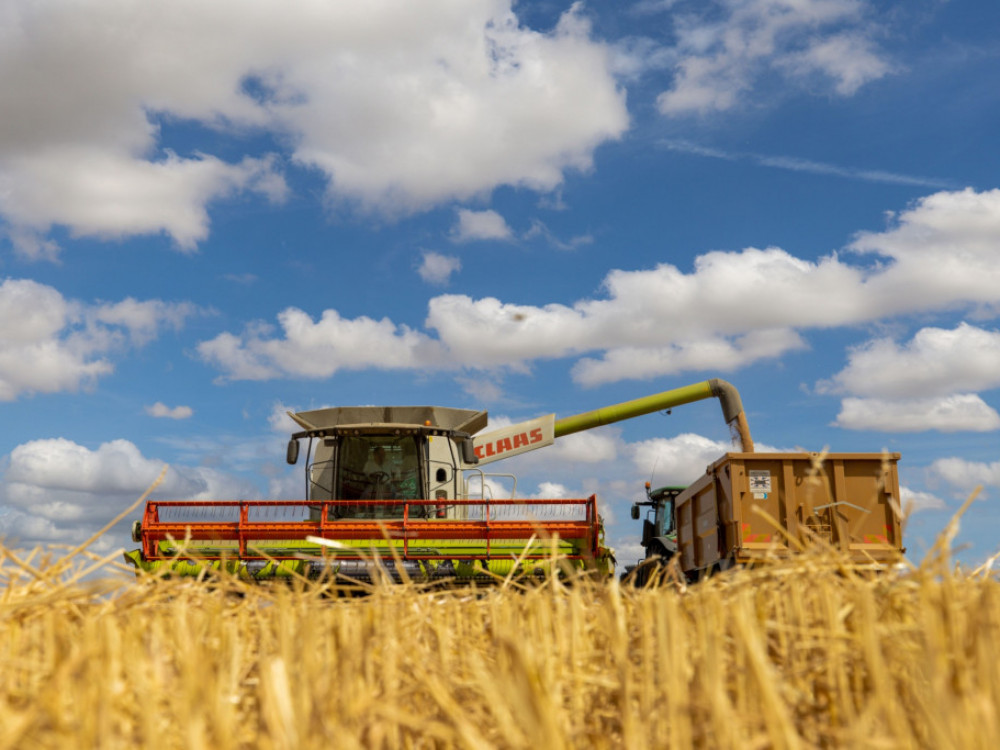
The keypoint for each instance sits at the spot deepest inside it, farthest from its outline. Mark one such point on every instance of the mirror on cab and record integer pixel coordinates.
(293, 451)
(468, 451)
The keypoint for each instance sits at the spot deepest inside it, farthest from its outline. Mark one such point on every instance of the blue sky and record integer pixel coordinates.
(214, 212)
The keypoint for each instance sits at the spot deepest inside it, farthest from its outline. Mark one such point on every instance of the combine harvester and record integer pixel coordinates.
(400, 492)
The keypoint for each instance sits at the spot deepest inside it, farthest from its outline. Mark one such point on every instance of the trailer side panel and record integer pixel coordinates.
(751, 505)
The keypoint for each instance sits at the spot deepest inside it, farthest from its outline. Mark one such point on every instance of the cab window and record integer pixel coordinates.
(379, 468)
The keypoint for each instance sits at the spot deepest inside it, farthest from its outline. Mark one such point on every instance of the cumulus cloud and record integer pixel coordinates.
(111, 196)
(589, 446)
(480, 225)
(50, 344)
(141, 319)
(115, 467)
(934, 362)
(629, 550)
(732, 309)
(401, 107)
(915, 501)
(58, 490)
(944, 245)
(716, 354)
(966, 475)
(318, 349)
(279, 421)
(678, 460)
(483, 390)
(552, 490)
(922, 384)
(161, 410)
(437, 269)
(960, 412)
(723, 49)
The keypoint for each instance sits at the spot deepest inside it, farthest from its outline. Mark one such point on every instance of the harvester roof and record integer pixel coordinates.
(442, 418)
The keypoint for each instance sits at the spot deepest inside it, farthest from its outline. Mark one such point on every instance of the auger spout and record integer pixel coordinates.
(729, 398)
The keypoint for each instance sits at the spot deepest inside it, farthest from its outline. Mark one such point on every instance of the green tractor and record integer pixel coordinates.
(659, 533)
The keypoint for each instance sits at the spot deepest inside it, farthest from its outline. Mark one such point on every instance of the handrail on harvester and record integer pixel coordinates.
(245, 531)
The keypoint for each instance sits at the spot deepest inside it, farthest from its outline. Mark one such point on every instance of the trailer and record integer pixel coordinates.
(748, 507)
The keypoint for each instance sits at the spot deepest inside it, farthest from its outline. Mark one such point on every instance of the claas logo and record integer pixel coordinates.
(505, 444)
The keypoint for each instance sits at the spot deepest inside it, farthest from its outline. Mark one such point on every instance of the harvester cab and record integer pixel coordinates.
(389, 453)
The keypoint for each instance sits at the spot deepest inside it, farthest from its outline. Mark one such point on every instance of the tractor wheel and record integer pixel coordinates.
(651, 569)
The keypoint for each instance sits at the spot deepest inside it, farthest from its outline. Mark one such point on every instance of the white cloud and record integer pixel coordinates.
(681, 459)
(636, 55)
(966, 475)
(161, 410)
(111, 195)
(956, 413)
(57, 490)
(850, 59)
(678, 460)
(934, 362)
(480, 225)
(289, 486)
(629, 550)
(747, 294)
(944, 247)
(142, 320)
(279, 421)
(50, 344)
(915, 501)
(437, 269)
(539, 229)
(401, 106)
(724, 49)
(59, 464)
(483, 390)
(318, 349)
(245, 279)
(921, 385)
(714, 354)
(590, 446)
(552, 490)
(648, 7)
(731, 309)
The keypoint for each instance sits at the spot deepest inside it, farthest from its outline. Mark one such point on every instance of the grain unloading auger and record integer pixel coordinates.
(400, 491)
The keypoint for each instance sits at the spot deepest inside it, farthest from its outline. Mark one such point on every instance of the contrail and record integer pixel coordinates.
(805, 165)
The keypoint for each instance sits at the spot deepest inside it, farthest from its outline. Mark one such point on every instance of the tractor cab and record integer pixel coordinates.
(661, 528)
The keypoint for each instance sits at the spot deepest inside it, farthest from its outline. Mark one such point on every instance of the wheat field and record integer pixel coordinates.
(796, 654)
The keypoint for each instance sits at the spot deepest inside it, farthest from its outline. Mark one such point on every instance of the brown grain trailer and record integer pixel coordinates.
(751, 505)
